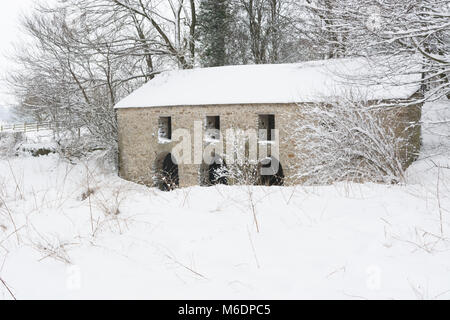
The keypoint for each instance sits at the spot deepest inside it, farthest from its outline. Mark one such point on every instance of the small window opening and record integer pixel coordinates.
(165, 128)
(213, 127)
(266, 125)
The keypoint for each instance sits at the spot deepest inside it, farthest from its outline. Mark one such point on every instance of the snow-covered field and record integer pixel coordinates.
(70, 231)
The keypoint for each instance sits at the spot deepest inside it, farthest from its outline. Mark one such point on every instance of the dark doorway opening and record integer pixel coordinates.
(169, 178)
(213, 172)
(272, 172)
(217, 173)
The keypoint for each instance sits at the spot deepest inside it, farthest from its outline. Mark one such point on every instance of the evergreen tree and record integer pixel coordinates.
(214, 20)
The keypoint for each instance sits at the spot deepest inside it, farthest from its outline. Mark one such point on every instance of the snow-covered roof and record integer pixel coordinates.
(316, 81)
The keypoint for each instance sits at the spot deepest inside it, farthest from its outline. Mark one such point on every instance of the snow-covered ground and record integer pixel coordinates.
(70, 231)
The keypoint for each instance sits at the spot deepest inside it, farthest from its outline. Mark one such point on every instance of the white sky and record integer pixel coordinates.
(10, 12)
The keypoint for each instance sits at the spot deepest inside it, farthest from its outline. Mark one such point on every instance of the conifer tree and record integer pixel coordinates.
(213, 30)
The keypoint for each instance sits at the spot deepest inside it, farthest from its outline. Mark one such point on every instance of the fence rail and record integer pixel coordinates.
(28, 127)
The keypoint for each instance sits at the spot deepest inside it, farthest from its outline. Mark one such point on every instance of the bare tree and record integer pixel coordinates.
(85, 55)
(417, 30)
(352, 141)
(272, 30)
(73, 86)
(164, 28)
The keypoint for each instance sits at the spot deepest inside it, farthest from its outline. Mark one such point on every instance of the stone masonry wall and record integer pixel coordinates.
(141, 151)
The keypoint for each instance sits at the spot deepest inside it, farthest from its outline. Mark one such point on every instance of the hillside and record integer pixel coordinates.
(70, 231)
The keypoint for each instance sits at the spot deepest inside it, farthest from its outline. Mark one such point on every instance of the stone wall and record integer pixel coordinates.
(141, 152)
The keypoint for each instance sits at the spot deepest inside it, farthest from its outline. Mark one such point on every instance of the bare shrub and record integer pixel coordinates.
(242, 172)
(75, 149)
(10, 143)
(87, 194)
(49, 246)
(347, 141)
(166, 180)
(110, 204)
(57, 251)
(242, 168)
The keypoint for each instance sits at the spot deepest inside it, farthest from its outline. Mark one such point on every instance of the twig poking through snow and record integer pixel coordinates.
(252, 205)
(253, 249)
(16, 231)
(439, 202)
(185, 267)
(15, 180)
(7, 288)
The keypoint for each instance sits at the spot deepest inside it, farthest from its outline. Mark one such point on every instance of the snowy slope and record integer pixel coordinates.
(285, 83)
(347, 241)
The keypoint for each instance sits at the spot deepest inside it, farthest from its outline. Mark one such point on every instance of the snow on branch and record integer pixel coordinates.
(348, 141)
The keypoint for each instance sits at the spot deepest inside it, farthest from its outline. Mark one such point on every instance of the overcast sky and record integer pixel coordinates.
(10, 12)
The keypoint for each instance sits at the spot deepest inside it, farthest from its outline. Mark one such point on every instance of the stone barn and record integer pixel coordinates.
(259, 97)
